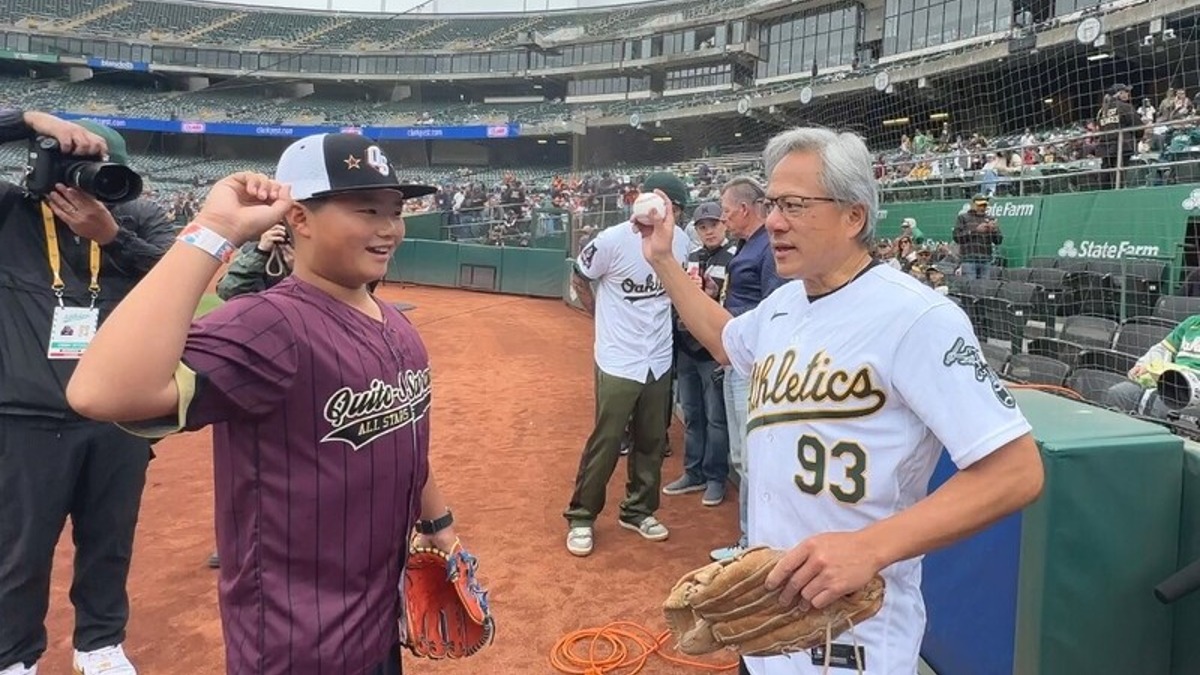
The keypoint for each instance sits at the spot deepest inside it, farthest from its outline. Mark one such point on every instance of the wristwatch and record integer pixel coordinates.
(436, 525)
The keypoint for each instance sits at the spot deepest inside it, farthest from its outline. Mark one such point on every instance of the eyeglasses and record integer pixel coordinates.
(794, 206)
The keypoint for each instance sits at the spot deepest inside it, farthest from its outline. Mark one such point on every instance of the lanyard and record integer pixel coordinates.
(52, 254)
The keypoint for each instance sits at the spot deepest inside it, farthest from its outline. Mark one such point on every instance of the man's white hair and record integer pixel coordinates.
(847, 173)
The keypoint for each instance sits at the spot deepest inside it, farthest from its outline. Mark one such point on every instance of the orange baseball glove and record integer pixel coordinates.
(446, 612)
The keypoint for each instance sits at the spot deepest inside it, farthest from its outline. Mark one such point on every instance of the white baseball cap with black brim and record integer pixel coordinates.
(329, 164)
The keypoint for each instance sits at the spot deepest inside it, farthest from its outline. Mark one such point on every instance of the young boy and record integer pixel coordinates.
(319, 399)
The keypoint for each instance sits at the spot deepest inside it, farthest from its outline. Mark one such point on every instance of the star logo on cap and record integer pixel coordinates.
(352, 162)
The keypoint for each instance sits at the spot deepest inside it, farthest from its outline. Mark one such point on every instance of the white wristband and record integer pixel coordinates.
(208, 241)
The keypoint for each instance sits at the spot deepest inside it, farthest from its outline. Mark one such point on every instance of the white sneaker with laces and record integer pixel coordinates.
(20, 669)
(579, 541)
(103, 661)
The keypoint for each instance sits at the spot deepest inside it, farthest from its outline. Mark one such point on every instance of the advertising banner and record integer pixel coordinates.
(477, 132)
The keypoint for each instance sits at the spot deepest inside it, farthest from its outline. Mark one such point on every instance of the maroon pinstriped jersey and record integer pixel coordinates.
(321, 438)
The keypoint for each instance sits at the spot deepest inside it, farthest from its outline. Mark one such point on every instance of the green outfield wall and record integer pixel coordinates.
(518, 271)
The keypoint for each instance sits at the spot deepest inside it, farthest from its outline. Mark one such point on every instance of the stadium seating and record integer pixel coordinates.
(241, 26)
(1079, 333)
(50, 10)
(1092, 384)
(143, 18)
(365, 33)
(997, 356)
(1035, 369)
(266, 29)
(1176, 308)
(1138, 334)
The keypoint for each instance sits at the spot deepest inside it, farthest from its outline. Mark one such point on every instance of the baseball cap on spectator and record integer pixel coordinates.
(707, 211)
(670, 184)
(117, 152)
(328, 164)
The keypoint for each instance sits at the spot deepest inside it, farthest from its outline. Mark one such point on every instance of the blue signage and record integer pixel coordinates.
(110, 64)
(299, 131)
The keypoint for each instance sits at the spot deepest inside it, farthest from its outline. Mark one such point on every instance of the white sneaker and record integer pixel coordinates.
(103, 661)
(579, 541)
(649, 528)
(20, 669)
(726, 553)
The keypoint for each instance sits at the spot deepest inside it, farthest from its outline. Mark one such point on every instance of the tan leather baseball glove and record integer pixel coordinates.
(726, 605)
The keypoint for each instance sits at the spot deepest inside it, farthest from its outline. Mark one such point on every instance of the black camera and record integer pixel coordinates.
(110, 183)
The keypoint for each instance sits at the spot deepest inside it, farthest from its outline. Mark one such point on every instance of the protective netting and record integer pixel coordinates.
(954, 98)
(1076, 118)
(1077, 122)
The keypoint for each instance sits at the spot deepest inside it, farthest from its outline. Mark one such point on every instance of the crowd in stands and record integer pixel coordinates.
(1168, 132)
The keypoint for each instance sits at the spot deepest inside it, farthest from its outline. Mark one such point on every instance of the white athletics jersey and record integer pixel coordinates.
(633, 312)
(852, 398)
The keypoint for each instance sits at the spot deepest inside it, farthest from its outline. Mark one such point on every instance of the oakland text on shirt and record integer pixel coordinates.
(833, 393)
(962, 354)
(644, 290)
(359, 417)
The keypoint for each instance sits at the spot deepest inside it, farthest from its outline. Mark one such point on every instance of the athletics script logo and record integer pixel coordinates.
(359, 417)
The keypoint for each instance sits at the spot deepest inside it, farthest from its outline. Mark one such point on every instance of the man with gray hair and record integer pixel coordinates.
(850, 372)
(751, 277)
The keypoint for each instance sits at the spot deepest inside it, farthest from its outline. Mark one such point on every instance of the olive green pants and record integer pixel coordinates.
(645, 407)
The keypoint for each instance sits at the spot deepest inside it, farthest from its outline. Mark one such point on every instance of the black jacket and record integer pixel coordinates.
(1118, 114)
(974, 245)
(712, 262)
(30, 383)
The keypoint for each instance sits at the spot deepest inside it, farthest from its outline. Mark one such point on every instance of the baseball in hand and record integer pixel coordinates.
(647, 204)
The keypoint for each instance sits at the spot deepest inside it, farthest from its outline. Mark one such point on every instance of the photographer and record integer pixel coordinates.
(977, 235)
(259, 265)
(66, 260)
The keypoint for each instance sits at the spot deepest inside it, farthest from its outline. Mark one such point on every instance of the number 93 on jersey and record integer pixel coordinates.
(837, 467)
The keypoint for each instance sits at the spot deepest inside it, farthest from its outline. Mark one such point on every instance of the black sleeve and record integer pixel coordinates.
(13, 127)
(961, 230)
(144, 237)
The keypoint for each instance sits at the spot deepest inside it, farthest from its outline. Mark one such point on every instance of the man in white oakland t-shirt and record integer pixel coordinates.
(633, 353)
(859, 375)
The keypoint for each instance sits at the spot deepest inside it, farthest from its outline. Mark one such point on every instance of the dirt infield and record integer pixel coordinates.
(512, 408)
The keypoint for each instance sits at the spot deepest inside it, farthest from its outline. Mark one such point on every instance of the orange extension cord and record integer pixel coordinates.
(1049, 389)
(608, 650)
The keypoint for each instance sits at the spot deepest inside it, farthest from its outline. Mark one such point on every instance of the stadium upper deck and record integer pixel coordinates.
(246, 26)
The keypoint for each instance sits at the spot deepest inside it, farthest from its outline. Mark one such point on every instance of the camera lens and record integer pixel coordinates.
(112, 183)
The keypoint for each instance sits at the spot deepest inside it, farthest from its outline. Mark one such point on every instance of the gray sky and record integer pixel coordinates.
(435, 6)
